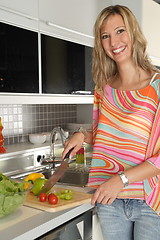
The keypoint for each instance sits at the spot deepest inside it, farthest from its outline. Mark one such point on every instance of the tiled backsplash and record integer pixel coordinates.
(19, 120)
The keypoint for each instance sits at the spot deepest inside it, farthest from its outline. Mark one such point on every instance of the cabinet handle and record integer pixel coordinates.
(82, 92)
(68, 30)
(19, 13)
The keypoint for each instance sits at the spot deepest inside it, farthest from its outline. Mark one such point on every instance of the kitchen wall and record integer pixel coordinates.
(19, 119)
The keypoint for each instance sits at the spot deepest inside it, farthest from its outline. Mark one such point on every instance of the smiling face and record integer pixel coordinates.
(115, 39)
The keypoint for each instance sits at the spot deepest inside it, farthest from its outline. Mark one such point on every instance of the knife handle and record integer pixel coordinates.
(67, 154)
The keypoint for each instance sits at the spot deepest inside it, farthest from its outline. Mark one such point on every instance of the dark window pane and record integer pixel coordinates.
(66, 66)
(18, 60)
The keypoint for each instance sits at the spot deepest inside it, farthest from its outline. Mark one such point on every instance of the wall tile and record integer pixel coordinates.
(21, 120)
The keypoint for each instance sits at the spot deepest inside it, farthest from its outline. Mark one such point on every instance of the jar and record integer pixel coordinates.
(81, 156)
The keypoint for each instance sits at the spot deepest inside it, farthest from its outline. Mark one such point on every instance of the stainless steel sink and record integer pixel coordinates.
(73, 176)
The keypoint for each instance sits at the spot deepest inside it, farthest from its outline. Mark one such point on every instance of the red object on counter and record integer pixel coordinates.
(2, 149)
(80, 156)
(1, 137)
(80, 151)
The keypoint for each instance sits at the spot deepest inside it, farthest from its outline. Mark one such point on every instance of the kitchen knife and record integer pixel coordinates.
(57, 174)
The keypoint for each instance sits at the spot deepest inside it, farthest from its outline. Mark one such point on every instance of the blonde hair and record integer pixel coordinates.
(103, 67)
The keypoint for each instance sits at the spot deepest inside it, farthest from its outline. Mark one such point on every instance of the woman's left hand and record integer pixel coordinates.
(108, 191)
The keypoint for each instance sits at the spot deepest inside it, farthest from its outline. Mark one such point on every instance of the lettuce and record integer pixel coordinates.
(11, 195)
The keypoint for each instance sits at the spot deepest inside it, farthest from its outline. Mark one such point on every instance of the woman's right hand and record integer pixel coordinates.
(75, 141)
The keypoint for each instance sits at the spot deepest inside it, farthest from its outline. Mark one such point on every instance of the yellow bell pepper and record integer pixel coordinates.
(33, 176)
(27, 185)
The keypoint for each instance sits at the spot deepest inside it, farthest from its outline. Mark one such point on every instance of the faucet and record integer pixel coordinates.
(50, 159)
(52, 139)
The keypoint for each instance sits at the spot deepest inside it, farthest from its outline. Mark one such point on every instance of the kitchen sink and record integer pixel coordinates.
(73, 176)
(76, 174)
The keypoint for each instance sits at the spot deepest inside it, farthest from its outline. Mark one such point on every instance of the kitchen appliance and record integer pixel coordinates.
(16, 164)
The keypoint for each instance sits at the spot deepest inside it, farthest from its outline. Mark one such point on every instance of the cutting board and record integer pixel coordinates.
(77, 199)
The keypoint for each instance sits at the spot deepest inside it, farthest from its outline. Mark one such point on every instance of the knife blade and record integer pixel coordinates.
(57, 174)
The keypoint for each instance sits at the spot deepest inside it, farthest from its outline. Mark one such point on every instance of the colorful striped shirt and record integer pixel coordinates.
(126, 132)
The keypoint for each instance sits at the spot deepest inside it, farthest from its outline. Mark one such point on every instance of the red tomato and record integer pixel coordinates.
(52, 198)
(43, 197)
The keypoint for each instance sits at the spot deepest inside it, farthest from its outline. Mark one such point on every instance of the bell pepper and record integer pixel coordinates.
(38, 185)
(33, 176)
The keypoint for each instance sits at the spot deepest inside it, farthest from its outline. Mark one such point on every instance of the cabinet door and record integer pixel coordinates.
(96, 229)
(29, 7)
(72, 20)
(66, 67)
(20, 13)
(19, 60)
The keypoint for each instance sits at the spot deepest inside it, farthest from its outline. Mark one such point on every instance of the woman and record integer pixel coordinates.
(126, 130)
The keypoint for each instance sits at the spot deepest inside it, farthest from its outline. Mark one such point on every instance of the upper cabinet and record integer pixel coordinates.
(60, 25)
(18, 60)
(74, 20)
(21, 13)
(66, 67)
(71, 20)
(28, 7)
(33, 34)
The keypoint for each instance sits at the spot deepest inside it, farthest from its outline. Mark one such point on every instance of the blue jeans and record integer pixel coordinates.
(128, 219)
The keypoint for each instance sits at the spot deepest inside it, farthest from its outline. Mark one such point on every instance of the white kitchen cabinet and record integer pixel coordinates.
(20, 13)
(24, 14)
(96, 228)
(45, 99)
(28, 7)
(71, 20)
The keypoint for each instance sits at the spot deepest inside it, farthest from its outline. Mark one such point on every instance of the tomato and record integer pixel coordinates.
(43, 197)
(52, 198)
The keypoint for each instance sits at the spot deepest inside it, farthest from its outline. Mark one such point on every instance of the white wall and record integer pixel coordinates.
(150, 26)
(147, 13)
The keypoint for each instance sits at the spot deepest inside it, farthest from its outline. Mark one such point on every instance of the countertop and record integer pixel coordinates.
(20, 148)
(29, 223)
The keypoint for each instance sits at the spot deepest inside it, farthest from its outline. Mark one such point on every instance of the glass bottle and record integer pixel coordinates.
(81, 157)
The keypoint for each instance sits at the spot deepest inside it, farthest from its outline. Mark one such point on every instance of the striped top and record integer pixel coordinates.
(126, 132)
